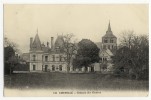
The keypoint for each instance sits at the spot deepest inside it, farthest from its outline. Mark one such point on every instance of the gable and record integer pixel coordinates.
(106, 53)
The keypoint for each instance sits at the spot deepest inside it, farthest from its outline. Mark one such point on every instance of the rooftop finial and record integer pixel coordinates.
(109, 27)
(37, 30)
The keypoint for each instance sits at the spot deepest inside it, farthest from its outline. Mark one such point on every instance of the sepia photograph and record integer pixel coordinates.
(77, 50)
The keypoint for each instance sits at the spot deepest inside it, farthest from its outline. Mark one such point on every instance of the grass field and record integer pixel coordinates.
(90, 81)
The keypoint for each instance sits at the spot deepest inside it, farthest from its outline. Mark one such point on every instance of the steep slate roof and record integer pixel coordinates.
(99, 45)
(59, 42)
(109, 52)
(36, 43)
(46, 49)
(25, 56)
(109, 32)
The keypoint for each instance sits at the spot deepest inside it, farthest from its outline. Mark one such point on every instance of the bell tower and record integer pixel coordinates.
(109, 40)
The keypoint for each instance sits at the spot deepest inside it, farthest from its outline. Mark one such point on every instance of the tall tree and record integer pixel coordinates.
(10, 59)
(133, 53)
(127, 38)
(69, 49)
(8, 53)
(9, 43)
(87, 53)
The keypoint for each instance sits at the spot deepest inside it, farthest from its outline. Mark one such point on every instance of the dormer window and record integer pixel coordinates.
(57, 49)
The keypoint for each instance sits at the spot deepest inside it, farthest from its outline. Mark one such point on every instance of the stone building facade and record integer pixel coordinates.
(52, 58)
(108, 46)
(109, 40)
(46, 58)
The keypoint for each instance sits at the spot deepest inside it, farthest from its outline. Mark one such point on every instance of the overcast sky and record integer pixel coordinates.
(84, 21)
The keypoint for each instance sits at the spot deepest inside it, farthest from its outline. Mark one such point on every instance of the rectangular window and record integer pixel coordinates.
(46, 58)
(112, 46)
(108, 46)
(42, 68)
(104, 46)
(111, 41)
(34, 67)
(60, 58)
(34, 57)
(105, 41)
(53, 57)
(57, 58)
(57, 49)
(46, 68)
(53, 67)
(60, 67)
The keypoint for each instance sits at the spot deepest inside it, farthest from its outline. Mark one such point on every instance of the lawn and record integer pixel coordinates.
(89, 81)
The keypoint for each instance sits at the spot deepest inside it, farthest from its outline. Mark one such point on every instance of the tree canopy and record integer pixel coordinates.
(69, 49)
(87, 53)
(133, 53)
(8, 53)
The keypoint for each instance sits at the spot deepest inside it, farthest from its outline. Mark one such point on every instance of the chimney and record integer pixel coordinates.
(31, 41)
(47, 44)
(52, 44)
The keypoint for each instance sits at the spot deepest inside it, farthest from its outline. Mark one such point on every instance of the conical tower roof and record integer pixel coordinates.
(109, 32)
(109, 27)
(37, 43)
